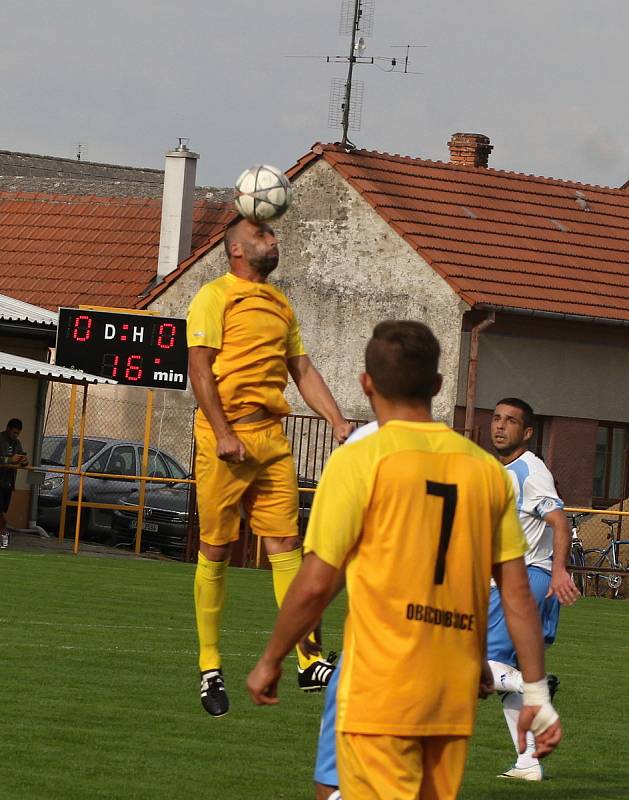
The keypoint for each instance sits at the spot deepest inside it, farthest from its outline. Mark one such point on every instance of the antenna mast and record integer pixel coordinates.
(357, 21)
(80, 150)
(346, 96)
(352, 61)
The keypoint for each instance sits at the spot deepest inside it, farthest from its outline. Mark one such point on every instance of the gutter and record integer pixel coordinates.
(527, 312)
(472, 372)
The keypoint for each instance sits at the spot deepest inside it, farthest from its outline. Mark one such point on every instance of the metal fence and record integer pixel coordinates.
(120, 414)
(122, 443)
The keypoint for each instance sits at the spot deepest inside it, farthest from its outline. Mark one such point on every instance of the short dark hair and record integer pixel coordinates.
(402, 360)
(14, 423)
(230, 232)
(528, 417)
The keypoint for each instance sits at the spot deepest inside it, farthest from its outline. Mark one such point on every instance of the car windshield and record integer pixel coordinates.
(53, 451)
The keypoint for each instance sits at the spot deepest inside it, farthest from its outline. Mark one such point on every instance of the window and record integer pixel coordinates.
(122, 461)
(53, 450)
(175, 470)
(157, 467)
(610, 464)
(100, 464)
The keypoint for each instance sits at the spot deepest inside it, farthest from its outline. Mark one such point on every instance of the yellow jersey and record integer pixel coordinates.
(417, 515)
(255, 330)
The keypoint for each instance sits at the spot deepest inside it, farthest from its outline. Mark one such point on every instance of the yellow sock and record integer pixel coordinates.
(284, 567)
(209, 596)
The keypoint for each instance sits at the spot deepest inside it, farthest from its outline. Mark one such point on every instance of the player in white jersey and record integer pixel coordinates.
(546, 529)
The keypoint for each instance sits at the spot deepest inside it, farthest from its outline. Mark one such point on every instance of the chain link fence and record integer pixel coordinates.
(120, 413)
(115, 422)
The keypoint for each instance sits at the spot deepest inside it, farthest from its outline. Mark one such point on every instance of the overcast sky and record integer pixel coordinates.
(546, 80)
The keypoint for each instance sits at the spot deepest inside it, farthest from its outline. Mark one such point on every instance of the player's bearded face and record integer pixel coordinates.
(262, 256)
(265, 263)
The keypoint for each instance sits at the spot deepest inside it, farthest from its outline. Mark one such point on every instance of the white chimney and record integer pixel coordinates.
(175, 238)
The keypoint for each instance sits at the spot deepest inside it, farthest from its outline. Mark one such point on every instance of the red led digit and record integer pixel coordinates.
(166, 335)
(82, 329)
(110, 362)
(133, 371)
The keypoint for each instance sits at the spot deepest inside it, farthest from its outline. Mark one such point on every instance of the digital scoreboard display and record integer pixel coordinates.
(133, 349)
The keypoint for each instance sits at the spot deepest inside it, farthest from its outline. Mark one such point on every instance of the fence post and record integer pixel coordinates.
(68, 462)
(79, 466)
(148, 421)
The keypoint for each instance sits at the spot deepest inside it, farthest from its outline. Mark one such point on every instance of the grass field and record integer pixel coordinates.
(99, 693)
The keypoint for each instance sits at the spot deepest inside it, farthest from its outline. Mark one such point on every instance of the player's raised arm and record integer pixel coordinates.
(318, 396)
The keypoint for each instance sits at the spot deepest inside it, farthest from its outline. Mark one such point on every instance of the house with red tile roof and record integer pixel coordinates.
(76, 233)
(524, 279)
(81, 233)
(68, 250)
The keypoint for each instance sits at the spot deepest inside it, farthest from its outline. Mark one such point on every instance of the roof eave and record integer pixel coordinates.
(559, 315)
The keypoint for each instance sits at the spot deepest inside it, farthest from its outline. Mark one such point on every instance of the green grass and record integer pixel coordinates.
(99, 693)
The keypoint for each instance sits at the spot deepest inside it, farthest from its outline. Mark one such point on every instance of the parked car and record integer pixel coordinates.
(165, 524)
(100, 454)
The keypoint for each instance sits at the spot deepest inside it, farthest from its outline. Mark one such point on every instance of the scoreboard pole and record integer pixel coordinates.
(148, 421)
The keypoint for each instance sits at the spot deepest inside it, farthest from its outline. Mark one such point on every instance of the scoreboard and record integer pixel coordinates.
(133, 349)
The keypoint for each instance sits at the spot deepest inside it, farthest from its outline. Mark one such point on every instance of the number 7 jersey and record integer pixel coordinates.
(418, 515)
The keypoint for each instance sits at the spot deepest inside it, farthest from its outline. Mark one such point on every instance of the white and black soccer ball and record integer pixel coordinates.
(263, 193)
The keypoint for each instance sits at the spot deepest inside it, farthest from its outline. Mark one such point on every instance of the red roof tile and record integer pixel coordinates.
(66, 250)
(502, 238)
(498, 238)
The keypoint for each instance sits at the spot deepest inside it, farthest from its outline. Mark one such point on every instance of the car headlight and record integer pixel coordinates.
(52, 483)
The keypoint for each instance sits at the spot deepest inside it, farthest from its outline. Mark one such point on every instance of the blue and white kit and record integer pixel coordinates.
(536, 497)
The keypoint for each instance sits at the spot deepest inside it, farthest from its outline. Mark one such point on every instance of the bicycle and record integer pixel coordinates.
(608, 558)
(577, 554)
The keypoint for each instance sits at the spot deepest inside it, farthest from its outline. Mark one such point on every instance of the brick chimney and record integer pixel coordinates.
(175, 238)
(470, 149)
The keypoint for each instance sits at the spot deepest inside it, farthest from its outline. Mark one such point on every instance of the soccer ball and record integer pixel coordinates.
(263, 193)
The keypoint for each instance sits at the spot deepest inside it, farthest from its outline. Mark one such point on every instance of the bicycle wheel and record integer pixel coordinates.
(598, 583)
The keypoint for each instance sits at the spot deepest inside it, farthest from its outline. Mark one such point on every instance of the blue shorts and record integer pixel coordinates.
(499, 644)
(325, 765)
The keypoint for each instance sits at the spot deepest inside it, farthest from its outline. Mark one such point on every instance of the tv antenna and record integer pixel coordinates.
(346, 96)
(80, 150)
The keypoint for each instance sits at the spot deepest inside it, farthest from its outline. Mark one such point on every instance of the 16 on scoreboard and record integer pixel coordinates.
(133, 349)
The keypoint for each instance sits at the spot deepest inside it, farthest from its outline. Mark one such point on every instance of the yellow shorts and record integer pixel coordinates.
(406, 768)
(264, 484)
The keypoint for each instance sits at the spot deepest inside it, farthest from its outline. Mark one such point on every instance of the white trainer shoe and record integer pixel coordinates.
(4, 539)
(534, 773)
